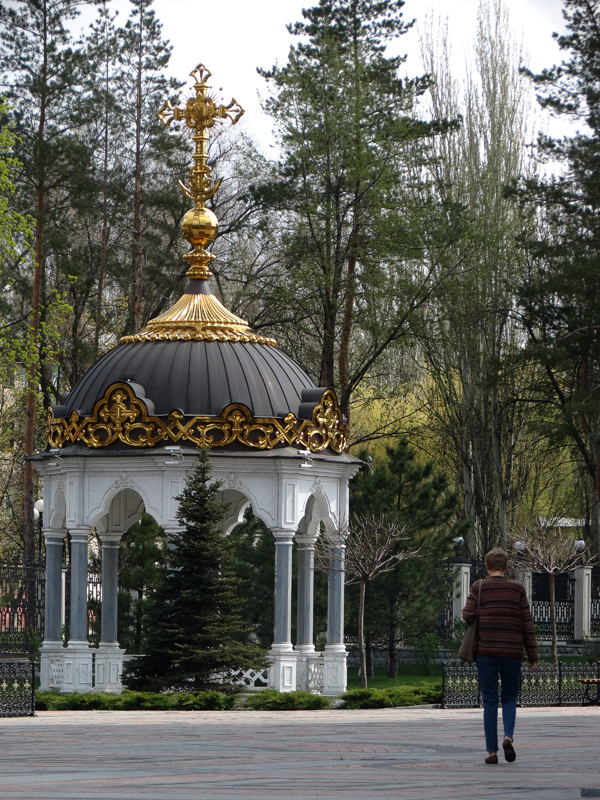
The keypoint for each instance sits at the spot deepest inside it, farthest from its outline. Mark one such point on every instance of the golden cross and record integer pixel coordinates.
(200, 113)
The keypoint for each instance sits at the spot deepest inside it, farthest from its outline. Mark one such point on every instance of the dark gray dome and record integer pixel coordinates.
(200, 378)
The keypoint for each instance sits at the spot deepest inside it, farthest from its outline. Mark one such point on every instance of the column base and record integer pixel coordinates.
(52, 668)
(109, 668)
(305, 651)
(282, 673)
(335, 670)
(77, 661)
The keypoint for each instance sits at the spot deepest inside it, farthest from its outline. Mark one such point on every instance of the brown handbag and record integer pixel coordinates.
(467, 647)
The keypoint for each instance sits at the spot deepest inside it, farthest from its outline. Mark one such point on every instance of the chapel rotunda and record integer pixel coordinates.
(124, 439)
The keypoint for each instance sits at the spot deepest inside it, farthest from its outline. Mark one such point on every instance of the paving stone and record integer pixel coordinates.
(413, 754)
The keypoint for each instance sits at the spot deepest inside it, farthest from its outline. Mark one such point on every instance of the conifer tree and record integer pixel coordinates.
(349, 182)
(39, 70)
(406, 602)
(196, 631)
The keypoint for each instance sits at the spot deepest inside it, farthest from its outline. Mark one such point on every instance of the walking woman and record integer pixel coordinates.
(504, 628)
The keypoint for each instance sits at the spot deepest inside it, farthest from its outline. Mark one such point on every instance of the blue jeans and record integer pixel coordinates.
(488, 668)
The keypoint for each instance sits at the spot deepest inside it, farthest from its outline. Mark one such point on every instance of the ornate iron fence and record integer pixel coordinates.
(564, 603)
(22, 598)
(17, 689)
(595, 609)
(547, 686)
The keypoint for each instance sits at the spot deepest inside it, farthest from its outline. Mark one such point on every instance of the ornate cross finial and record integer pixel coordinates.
(200, 113)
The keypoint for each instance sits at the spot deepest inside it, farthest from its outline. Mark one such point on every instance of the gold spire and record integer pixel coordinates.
(198, 314)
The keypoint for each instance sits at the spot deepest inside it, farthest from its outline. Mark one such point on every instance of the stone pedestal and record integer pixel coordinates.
(77, 666)
(335, 670)
(52, 667)
(109, 668)
(282, 674)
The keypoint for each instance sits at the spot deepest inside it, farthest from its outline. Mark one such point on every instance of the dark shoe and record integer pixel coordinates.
(509, 750)
(491, 759)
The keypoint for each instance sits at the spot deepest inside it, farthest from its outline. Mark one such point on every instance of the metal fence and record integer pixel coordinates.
(595, 609)
(22, 598)
(17, 689)
(564, 588)
(547, 686)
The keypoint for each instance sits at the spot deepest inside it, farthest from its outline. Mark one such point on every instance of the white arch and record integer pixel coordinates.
(240, 499)
(123, 510)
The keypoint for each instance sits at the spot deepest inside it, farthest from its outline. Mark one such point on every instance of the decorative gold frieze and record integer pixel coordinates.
(120, 416)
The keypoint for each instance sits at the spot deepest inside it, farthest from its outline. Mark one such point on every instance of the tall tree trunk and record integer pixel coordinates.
(137, 232)
(553, 617)
(361, 634)
(33, 350)
(344, 382)
(104, 238)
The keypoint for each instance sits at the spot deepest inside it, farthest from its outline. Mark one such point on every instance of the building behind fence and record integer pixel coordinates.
(549, 685)
(577, 600)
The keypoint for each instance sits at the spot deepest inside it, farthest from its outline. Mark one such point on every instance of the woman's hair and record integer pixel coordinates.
(496, 559)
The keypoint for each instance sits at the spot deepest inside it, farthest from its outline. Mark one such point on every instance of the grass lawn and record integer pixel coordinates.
(408, 675)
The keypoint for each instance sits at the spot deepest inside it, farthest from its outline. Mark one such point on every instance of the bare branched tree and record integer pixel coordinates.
(543, 546)
(374, 546)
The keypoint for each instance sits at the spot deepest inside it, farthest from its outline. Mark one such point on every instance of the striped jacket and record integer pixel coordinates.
(505, 624)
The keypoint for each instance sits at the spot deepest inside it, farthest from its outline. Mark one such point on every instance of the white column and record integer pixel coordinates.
(282, 675)
(78, 658)
(305, 612)
(582, 603)
(335, 655)
(52, 651)
(109, 657)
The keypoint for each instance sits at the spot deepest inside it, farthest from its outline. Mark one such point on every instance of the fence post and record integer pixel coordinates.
(444, 684)
(560, 683)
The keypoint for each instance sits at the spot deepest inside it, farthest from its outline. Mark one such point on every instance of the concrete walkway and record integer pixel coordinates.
(419, 753)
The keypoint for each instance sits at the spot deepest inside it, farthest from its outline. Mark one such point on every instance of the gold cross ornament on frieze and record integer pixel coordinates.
(200, 113)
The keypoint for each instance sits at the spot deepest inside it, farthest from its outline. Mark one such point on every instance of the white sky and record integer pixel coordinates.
(234, 37)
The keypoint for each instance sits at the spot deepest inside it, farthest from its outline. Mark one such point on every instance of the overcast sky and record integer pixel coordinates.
(234, 37)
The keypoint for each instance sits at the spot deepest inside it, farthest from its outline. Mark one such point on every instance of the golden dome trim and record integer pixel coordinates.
(198, 317)
(122, 417)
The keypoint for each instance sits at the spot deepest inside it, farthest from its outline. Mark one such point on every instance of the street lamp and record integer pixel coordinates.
(38, 516)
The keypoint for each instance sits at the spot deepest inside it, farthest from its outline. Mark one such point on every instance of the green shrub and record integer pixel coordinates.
(210, 700)
(54, 701)
(393, 697)
(272, 700)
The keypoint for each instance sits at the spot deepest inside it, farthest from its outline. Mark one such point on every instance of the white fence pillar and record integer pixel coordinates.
(583, 603)
(462, 586)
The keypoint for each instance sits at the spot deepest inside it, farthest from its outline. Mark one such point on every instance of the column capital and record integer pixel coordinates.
(79, 534)
(110, 539)
(53, 536)
(305, 542)
(283, 535)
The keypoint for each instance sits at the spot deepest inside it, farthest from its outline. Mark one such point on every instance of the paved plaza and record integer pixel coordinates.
(420, 753)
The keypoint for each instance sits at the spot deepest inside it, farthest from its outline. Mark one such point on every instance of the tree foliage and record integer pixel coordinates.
(560, 293)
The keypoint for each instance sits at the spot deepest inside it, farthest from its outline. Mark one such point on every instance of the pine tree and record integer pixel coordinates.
(348, 182)
(40, 71)
(196, 630)
(153, 161)
(407, 602)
